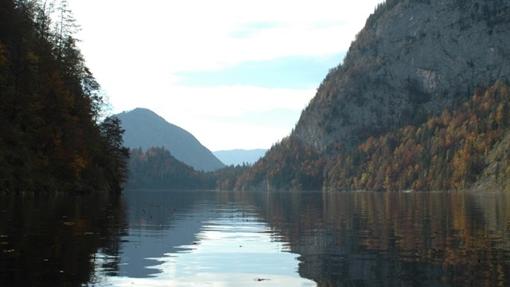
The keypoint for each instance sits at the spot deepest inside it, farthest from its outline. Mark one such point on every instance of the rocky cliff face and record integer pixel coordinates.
(414, 64)
(412, 59)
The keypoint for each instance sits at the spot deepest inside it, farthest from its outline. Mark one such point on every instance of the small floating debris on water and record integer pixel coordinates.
(69, 223)
(88, 233)
(3, 236)
(261, 279)
(9, 251)
(45, 260)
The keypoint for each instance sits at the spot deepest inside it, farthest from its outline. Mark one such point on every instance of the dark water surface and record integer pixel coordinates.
(156, 238)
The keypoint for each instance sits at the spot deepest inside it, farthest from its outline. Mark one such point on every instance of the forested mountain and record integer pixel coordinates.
(51, 138)
(239, 156)
(157, 168)
(145, 129)
(459, 149)
(413, 59)
(420, 102)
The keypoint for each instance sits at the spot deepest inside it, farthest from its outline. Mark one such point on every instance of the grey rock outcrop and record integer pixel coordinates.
(413, 59)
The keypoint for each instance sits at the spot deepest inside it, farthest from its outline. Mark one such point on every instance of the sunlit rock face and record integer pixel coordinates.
(413, 59)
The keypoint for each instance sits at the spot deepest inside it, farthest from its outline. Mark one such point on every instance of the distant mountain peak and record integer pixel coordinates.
(146, 129)
(145, 113)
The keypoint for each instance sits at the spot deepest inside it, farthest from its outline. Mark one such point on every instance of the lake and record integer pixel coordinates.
(207, 238)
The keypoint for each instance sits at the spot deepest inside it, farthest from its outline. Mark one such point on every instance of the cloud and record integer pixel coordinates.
(194, 60)
(250, 29)
(198, 34)
(287, 72)
(227, 117)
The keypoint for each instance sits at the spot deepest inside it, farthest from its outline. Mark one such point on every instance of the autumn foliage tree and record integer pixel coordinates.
(51, 137)
(447, 152)
(157, 168)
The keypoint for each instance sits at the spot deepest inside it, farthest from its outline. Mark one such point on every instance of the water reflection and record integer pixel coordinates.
(199, 239)
(396, 239)
(51, 240)
(164, 238)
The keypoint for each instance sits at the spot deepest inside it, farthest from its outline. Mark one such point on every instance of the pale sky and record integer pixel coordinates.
(234, 73)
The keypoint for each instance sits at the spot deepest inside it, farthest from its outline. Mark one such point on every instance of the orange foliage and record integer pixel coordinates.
(446, 152)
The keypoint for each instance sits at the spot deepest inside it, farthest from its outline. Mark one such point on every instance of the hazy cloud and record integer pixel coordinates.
(286, 72)
(166, 55)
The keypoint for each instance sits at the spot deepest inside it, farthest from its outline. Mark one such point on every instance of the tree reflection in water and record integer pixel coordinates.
(52, 240)
(395, 239)
(342, 239)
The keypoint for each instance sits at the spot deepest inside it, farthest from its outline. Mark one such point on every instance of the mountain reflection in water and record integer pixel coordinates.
(200, 238)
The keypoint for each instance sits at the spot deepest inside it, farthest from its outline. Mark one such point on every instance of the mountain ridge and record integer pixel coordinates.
(146, 129)
(413, 61)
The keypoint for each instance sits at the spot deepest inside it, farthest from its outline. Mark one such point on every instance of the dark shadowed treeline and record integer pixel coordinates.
(290, 164)
(157, 168)
(51, 138)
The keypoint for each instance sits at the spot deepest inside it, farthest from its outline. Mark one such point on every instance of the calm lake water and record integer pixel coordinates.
(192, 238)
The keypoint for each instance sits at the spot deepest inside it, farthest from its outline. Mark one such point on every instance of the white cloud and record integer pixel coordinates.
(215, 115)
(197, 34)
(135, 49)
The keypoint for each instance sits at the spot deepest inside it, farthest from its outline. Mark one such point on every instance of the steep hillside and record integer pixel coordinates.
(145, 129)
(414, 61)
(239, 156)
(452, 151)
(50, 138)
(157, 168)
